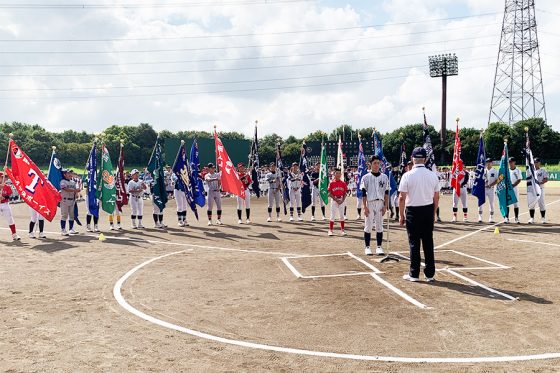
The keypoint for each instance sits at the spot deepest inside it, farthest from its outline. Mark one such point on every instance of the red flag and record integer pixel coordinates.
(457, 169)
(122, 197)
(33, 187)
(230, 179)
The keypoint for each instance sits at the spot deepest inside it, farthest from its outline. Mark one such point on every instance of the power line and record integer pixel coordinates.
(35, 6)
(219, 59)
(234, 68)
(234, 47)
(365, 27)
(226, 91)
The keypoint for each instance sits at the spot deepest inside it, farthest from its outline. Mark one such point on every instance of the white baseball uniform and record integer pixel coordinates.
(515, 175)
(540, 175)
(376, 187)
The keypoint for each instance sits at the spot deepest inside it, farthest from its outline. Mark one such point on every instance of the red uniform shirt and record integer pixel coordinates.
(338, 188)
(245, 179)
(6, 194)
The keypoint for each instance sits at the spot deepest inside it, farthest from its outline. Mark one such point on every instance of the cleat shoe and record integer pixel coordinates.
(313, 218)
(331, 233)
(480, 218)
(506, 221)
(543, 220)
(454, 220)
(218, 222)
(407, 277)
(491, 219)
(438, 219)
(465, 219)
(95, 228)
(157, 225)
(279, 219)
(111, 227)
(358, 217)
(15, 237)
(72, 231)
(517, 221)
(239, 221)
(209, 223)
(323, 218)
(64, 233)
(269, 219)
(140, 226)
(31, 234)
(368, 251)
(342, 233)
(248, 221)
(88, 228)
(531, 221)
(430, 279)
(42, 235)
(299, 218)
(186, 224)
(379, 251)
(291, 218)
(119, 226)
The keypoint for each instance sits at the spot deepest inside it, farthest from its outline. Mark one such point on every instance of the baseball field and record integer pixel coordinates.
(280, 297)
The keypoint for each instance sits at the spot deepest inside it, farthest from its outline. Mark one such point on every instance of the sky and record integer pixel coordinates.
(296, 66)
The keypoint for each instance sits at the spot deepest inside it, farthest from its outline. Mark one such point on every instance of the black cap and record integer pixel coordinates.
(409, 162)
(210, 165)
(511, 159)
(537, 160)
(295, 164)
(272, 164)
(419, 152)
(489, 160)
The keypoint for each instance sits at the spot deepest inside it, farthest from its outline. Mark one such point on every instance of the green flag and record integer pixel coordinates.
(106, 191)
(504, 188)
(324, 176)
(156, 168)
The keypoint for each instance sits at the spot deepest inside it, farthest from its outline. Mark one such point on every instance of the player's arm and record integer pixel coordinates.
(517, 182)
(343, 198)
(545, 178)
(402, 199)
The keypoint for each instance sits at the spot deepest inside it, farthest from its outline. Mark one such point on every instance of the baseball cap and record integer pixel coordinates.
(511, 159)
(210, 165)
(135, 171)
(489, 160)
(295, 164)
(240, 164)
(419, 152)
(272, 164)
(537, 160)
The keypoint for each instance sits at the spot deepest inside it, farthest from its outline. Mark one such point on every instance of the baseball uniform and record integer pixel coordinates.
(274, 192)
(136, 193)
(375, 188)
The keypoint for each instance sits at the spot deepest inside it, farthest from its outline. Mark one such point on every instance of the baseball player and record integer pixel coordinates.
(181, 200)
(516, 177)
(295, 181)
(213, 180)
(89, 216)
(136, 189)
(463, 197)
(541, 177)
(157, 214)
(490, 180)
(5, 208)
(36, 217)
(274, 191)
(337, 191)
(315, 196)
(375, 197)
(118, 214)
(246, 180)
(68, 190)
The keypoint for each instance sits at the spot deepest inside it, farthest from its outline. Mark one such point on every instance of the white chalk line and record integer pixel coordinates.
(117, 293)
(476, 283)
(537, 242)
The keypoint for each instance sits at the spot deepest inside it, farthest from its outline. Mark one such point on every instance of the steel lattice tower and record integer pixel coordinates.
(518, 87)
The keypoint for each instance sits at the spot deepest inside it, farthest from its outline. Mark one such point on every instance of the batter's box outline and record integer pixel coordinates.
(298, 274)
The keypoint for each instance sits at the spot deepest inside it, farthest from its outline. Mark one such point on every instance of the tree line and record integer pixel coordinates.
(73, 147)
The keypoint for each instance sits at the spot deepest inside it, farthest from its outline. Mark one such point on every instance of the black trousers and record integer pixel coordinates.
(420, 228)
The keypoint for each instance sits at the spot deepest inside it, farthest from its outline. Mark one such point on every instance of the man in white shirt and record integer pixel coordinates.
(541, 177)
(419, 192)
(490, 180)
(516, 177)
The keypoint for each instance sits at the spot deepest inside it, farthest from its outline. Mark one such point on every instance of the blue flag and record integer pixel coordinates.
(195, 180)
(283, 177)
(55, 171)
(385, 166)
(181, 171)
(504, 188)
(479, 189)
(362, 168)
(91, 168)
(306, 189)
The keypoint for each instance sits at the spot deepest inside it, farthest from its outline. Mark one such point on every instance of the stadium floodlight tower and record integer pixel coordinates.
(443, 65)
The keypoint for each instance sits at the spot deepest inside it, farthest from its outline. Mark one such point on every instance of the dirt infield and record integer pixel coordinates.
(215, 298)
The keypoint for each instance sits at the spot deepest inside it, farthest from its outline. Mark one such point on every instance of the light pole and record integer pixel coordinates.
(443, 65)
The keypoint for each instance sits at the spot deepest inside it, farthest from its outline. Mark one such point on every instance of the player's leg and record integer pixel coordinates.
(414, 238)
(428, 244)
(455, 206)
(368, 226)
(218, 197)
(140, 210)
(292, 195)
(359, 207)
(542, 206)
(342, 218)
(464, 195)
(516, 206)
(210, 204)
(378, 221)
(334, 211)
(270, 196)
(298, 201)
(176, 195)
(7, 212)
(248, 206)
(314, 196)
(240, 203)
(71, 217)
(32, 221)
(277, 198)
(63, 216)
(490, 195)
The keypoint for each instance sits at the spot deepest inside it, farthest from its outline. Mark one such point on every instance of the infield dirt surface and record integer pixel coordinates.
(59, 313)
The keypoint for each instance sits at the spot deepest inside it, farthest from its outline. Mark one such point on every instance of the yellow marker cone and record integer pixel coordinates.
(102, 237)
(497, 230)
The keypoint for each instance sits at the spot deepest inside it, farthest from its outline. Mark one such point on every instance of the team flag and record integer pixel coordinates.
(181, 170)
(533, 188)
(479, 189)
(283, 177)
(362, 167)
(306, 188)
(340, 157)
(457, 168)
(385, 165)
(32, 185)
(120, 181)
(91, 168)
(431, 159)
(156, 168)
(254, 165)
(404, 162)
(55, 170)
(324, 175)
(504, 188)
(230, 179)
(196, 182)
(106, 191)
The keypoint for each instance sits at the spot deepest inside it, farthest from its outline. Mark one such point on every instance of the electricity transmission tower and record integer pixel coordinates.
(518, 87)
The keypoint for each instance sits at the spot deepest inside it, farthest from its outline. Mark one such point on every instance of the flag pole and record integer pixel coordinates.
(11, 136)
